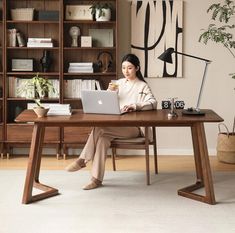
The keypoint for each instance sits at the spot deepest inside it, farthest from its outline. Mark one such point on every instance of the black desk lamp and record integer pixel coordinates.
(167, 57)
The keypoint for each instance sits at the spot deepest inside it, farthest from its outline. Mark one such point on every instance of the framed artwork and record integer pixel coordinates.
(78, 12)
(156, 26)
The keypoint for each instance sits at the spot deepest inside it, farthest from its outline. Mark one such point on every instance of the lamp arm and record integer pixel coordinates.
(202, 84)
(203, 59)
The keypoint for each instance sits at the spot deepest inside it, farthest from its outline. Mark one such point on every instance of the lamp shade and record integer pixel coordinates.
(166, 56)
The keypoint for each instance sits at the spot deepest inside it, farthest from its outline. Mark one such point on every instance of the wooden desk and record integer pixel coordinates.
(145, 118)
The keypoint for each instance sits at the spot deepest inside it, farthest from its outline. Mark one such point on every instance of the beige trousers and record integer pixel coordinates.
(98, 144)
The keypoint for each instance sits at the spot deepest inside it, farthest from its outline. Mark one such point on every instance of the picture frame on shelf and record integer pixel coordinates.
(86, 41)
(78, 12)
(101, 37)
(22, 64)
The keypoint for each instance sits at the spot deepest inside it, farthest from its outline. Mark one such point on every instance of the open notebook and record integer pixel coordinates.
(100, 102)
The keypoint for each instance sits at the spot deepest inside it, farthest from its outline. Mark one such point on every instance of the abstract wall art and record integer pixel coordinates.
(156, 26)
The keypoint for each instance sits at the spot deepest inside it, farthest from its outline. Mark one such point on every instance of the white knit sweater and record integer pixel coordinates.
(136, 93)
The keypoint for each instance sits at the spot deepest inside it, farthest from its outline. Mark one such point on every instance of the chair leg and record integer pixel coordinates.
(113, 158)
(65, 151)
(147, 166)
(155, 158)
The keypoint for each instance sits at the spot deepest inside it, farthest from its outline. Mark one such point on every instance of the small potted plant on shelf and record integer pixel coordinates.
(37, 88)
(101, 11)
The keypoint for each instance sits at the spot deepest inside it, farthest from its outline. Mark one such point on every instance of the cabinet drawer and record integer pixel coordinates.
(24, 133)
(76, 134)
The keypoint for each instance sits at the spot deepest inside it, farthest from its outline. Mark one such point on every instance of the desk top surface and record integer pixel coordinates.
(142, 118)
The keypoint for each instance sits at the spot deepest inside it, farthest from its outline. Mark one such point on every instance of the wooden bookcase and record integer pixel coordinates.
(14, 135)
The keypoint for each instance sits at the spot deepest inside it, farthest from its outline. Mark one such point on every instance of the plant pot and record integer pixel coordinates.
(41, 112)
(106, 16)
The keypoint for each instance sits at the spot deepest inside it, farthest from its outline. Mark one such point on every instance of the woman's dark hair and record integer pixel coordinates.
(134, 60)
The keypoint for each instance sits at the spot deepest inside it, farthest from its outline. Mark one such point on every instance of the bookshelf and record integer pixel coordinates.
(1, 77)
(63, 53)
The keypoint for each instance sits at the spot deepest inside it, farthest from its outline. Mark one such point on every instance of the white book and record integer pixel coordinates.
(89, 64)
(80, 68)
(91, 70)
(38, 44)
(39, 39)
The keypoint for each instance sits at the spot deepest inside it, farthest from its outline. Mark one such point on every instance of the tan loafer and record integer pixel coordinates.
(93, 185)
(76, 165)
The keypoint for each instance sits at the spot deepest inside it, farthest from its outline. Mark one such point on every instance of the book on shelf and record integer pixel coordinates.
(20, 39)
(39, 42)
(81, 64)
(73, 87)
(42, 40)
(80, 67)
(56, 85)
(15, 85)
(80, 70)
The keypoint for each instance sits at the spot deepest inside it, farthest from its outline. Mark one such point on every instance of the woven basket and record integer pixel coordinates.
(22, 14)
(226, 145)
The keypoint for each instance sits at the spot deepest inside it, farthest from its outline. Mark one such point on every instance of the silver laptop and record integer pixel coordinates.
(100, 102)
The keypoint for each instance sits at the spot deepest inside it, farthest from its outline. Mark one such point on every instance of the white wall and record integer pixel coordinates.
(218, 94)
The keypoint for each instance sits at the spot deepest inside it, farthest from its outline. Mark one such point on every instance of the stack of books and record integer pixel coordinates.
(59, 109)
(54, 109)
(80, 67)
(40, 42)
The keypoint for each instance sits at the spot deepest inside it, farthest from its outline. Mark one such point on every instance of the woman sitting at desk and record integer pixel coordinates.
(134, 95)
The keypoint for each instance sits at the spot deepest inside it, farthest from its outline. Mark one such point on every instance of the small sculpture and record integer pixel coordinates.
(74, 33)
(46, 61)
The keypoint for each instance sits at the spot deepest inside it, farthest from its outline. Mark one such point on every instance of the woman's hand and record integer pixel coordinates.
(113, 87)
(129, 108)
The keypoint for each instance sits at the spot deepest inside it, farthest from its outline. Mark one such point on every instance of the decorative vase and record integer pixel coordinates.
(41, 112)
(46, 61)
(106, 16)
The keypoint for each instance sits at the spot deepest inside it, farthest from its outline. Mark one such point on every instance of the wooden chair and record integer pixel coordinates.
(137, 143)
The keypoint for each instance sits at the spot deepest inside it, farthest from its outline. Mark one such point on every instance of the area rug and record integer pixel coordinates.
(125, 204)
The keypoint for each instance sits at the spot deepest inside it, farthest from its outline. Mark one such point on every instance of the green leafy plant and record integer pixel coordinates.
(36, 88)
(221, 34)
(100, 6)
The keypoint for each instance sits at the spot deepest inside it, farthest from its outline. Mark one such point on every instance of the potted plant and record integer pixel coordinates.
(37, 88)
(101, 11)
(221, 34)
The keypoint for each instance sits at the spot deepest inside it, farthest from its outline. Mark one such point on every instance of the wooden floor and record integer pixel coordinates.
(127, 163)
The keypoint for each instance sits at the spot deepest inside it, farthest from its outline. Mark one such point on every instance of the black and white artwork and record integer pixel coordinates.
(156, 26)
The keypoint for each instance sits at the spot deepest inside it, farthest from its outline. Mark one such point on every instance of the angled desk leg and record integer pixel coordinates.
(203, 170)
(34, 162)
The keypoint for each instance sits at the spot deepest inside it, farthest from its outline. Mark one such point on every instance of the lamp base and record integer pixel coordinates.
(193, 112)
